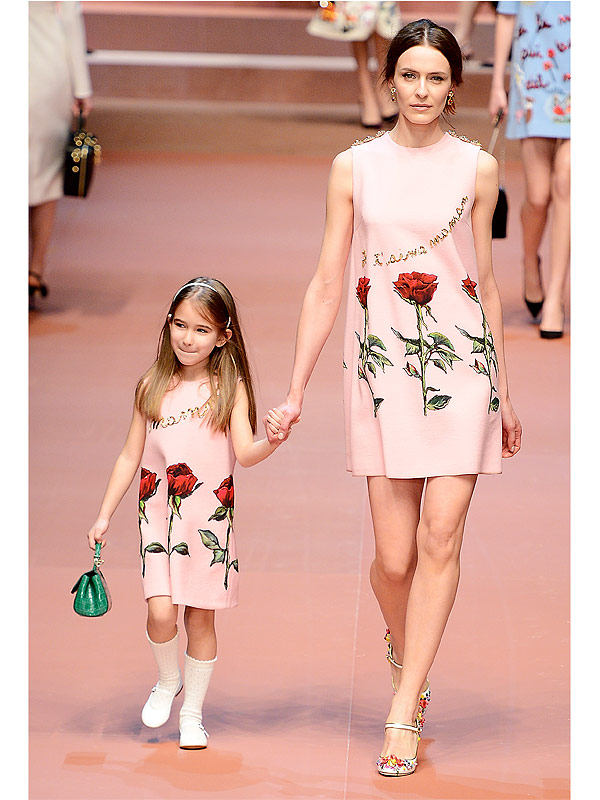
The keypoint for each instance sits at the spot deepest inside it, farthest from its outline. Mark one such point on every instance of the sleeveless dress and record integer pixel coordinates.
(186, 504)
(420, 368)
(539, 98)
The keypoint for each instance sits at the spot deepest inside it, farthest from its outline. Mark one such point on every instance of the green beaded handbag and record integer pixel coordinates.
(92, 598)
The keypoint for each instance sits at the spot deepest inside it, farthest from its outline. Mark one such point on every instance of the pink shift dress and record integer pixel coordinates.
(186, 504)
(420, 368)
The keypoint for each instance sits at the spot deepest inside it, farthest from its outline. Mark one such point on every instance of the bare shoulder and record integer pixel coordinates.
(342, 163)
(340, 176)
(487, 166)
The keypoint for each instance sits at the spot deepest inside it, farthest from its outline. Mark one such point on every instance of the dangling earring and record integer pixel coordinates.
(450, 104)
(393, 93)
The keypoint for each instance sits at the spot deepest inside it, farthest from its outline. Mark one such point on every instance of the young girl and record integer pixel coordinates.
(194, 416)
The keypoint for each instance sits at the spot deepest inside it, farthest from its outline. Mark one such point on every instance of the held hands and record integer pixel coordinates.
(511, 430)
(278, 421)
(97, 532)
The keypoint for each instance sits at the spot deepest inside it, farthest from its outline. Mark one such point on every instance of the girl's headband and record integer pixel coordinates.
(205, 285)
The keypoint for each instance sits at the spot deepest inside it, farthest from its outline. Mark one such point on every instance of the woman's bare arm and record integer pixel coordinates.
(486, 196)
(324, 294)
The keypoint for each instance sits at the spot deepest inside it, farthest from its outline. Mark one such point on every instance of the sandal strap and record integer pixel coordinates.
(390, 658)
(401, 726)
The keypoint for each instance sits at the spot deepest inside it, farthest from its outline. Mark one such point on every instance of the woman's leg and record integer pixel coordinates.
(536, 155)
(553, 313)
(369, 113)
(431, 597)
(200, 658)
(395, 506)
(387, 106)
(465, 23)
(41, 220)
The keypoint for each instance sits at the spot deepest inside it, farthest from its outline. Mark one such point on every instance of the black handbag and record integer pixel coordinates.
(82, 152)
(92, 597)
(500, 217)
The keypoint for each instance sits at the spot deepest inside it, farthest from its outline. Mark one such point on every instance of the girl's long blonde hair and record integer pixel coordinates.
(227, 364)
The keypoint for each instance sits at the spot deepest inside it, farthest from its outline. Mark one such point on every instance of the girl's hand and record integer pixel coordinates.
(511, 430)
(291, 411)
(272, 422)
(498, 101)
(97, 532)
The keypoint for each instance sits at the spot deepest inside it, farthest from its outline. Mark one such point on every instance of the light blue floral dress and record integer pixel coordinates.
(539, 102)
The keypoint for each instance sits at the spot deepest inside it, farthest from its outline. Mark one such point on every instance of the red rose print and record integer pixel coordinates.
(558, 110)
(182, 480)
(416, 287)
(362, 290)
(148, 485)
(469, 287)
(225, 492)
(547, 65)
(551, 53)
(482, 344)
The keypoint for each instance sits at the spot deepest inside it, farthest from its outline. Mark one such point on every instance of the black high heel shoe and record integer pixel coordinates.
(535, 306)
(41, 287)
(545, 334)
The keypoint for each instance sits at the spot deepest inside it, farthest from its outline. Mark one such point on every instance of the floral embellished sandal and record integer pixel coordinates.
(391, 766)
(424, 697)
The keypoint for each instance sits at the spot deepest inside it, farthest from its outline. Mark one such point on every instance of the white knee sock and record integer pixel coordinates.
(196, 678)
(165, 654)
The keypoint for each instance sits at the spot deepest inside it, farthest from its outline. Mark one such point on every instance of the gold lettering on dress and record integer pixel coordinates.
(166, 422)
(446, 231)
(421, 250)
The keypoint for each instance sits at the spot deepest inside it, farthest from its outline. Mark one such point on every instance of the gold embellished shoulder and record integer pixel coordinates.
(476, 142)
(368, 138)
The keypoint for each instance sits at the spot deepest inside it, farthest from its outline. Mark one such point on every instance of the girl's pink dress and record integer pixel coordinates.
(420, 369)
(186, 508)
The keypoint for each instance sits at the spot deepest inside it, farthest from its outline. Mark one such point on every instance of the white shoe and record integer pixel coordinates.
(158, 705)
(193, 736)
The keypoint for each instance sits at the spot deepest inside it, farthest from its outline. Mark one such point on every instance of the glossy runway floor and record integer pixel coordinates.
(301, 688)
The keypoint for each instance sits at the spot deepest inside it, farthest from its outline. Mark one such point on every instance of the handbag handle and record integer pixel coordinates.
(97, 558)
(496, 131)
(493, 140)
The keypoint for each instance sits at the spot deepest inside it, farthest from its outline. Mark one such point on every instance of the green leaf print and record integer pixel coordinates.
(438, 402)
(375, 341)
(482, 345)
(154, 547)
(181, 548)
(368, 359)
(218, 556)
(209, 539)
(440, 339)
(220, 513)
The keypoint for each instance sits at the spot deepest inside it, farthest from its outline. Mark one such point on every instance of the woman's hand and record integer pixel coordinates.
(83, 105)
(290, 414)
(498, 101)
(97, 532)
(511, 430)
(272, 422)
